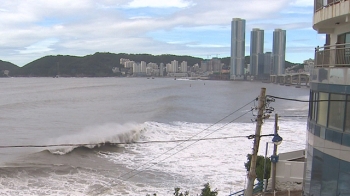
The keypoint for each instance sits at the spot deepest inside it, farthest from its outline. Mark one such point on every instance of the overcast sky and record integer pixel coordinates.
(31, 29)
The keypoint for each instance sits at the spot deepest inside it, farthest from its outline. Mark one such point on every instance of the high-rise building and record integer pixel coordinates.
(143, 66)
(279, 51)
(237, 63)
(161, 69)
(327, 169)
(267, 63)
(174, 66)
(256, 52)
(183, 67)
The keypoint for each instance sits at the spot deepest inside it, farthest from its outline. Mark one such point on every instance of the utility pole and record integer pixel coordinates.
(273, 169)
(252, 173)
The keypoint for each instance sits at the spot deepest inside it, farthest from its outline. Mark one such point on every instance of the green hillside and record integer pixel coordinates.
(7, 66)
(96, 65)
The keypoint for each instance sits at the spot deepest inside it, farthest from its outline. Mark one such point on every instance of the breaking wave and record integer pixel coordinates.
(97, 136)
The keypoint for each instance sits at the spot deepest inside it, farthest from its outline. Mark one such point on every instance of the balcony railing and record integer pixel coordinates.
(333, 56)
(320, 4)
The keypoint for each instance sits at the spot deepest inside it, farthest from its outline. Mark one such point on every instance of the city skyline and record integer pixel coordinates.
(31, 30)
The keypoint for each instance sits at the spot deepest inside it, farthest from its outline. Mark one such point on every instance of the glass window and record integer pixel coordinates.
(310, 105)
(343, 184)
(316, 174)
(347, 115)
(330, 173)
(336, 111)
(315, 97)
(322, 109)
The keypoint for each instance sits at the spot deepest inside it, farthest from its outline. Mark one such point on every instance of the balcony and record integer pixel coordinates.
(332, 65)
(333, 56)
(330, 14)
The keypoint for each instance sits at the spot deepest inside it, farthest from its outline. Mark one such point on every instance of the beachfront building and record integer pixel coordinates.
(256, 52)
(267, 63)
(279, 51)
(183, 67)
(327, 170)
(237, 63)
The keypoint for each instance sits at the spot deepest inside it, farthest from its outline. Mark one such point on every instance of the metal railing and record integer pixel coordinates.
(333, 56)
(257, 189)
(320, 4)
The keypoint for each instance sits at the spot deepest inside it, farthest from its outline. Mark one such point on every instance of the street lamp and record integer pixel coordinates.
(277, 140)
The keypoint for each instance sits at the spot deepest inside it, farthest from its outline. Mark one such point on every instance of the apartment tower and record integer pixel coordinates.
(237, 63)
(279, 51)
(327, 170)
(256, 52)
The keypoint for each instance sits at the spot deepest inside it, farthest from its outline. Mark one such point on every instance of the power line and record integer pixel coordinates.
(293, 116)
(305, 101)
(113, 143)
(190, 138)
(195, 141)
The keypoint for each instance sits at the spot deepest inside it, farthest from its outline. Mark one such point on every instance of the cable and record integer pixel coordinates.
(187, 139)
(305, 101)
(294, 116)
(122, 176)
(179, 150)
(112, 143)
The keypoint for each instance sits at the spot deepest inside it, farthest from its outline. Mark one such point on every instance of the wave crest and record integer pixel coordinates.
(97, 136)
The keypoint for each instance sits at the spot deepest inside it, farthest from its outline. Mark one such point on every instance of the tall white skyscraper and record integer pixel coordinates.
(279, 51)
(237, 49)
(256, 52)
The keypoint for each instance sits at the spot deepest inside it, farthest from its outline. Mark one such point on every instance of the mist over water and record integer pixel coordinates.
(44, 111)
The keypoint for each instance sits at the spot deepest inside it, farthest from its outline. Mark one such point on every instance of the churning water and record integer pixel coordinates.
(50, 111)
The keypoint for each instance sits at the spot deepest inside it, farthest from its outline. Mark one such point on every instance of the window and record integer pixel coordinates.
(330, 172)
(311, 105)
(336, 111)
(314, 108)
(322, 109)
(347, 115)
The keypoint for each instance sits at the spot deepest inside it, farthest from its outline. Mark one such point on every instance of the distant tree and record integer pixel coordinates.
(259, 167)
(206, 191)
(178, 193)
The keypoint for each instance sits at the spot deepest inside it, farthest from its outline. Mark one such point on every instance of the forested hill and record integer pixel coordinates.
(96, 65)
(7, 66)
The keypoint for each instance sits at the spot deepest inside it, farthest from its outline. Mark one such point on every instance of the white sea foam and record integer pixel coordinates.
(220, 162)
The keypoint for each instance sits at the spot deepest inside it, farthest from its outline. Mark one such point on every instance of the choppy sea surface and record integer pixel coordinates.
(136, 111)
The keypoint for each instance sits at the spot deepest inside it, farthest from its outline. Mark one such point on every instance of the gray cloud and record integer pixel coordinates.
(32, 29)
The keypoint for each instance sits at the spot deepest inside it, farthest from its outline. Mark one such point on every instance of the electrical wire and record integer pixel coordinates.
(195, 141)
(305, 101)
(112, 143)
(189, 139)
(292, 116)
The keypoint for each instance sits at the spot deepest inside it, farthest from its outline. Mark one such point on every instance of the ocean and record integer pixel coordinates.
(155, 123)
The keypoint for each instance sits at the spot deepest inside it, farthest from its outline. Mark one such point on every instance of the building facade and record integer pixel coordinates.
(268, 63)
(237, 63)
(279, 51)
(327, 170)
(256, 52)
